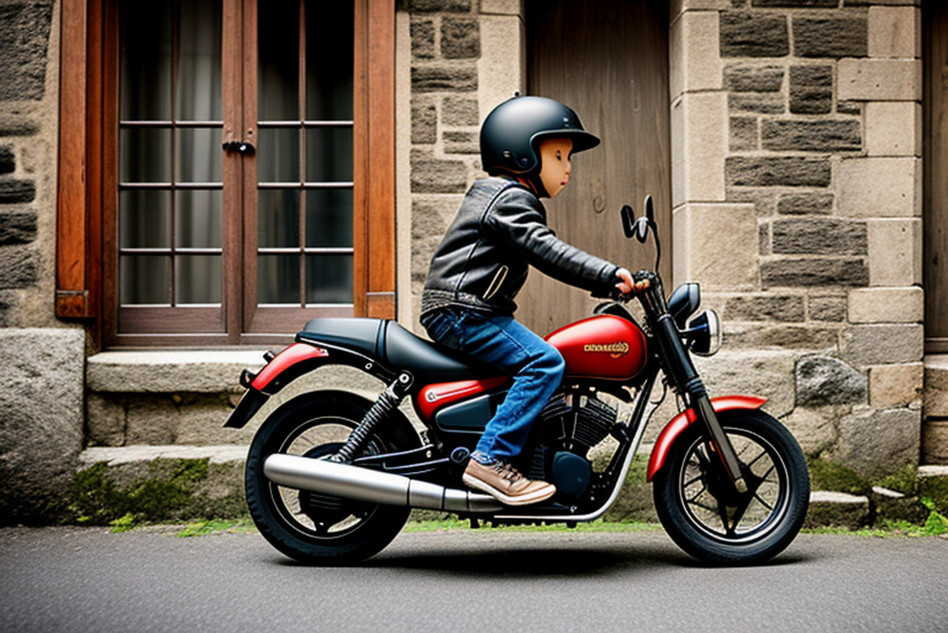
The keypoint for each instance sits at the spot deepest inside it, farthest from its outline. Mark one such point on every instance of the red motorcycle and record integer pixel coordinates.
(331, 476)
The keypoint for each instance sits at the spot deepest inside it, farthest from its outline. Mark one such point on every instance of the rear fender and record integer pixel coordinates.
(683, 420)
(287, 366)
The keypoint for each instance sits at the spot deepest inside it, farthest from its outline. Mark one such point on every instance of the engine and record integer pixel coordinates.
(570, 425)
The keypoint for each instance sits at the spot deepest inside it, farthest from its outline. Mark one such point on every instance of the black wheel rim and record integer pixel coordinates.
(311, 515)
(730, 518)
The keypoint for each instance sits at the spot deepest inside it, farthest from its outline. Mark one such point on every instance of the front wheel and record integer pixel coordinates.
(712, 522)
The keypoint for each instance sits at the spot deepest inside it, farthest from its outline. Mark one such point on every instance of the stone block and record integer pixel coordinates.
(16, 191)
(896, 385)
(433, 6)
(880, 187)
(23, 49)
(865, 345)
(460, 38)
(783, 336)
(169, 371)
(819, 236)
(742, 78)
(753, 35)
(151, 420)
(700, 136)
(17, 227)
(895, 252)
(105, 421)
(895, 32)
(831, 309)
(711, 245)
(876, 443)
(17, 267)
(811, 89)
(501, 69)
(502, 7)
(785, 308)
(814, 272)
(438, 176)
(762, 103)
(879, 80)
(936, 386)
(886, 305)
(768, 373)
(837, 509)
(777, 171)
(7, 162)
(793, 4)
(695, 60)
(805, 204)
(459, 112)
(830, 36)
(424, 123)
(444, 77)
(41, 421)
(810, 136)
(812, 428)
(460, 142)
(422, 39)
(743, 134)
(894, 128)
(15, 124)
(824, 380)
(935, 442)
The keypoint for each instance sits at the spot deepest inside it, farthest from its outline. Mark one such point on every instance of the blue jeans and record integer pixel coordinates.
(536, 366)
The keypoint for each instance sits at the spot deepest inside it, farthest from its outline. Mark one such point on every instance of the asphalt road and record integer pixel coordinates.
(89, 580)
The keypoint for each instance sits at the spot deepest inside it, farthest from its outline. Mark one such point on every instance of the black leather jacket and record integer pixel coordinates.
(499, 231)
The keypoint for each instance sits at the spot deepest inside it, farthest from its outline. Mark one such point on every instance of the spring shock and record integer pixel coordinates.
(387, 402)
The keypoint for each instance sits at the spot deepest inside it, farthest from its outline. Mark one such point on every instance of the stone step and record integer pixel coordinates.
(169, 483)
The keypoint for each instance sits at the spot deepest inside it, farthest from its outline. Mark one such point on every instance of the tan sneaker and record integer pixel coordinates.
(505, 484)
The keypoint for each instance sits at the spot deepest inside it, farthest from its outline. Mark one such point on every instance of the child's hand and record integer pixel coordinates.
(628, 285)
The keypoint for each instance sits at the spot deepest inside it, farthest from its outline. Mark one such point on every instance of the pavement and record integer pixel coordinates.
(88, 579)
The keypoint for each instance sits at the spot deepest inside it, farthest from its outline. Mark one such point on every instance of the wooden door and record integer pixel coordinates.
(608, 60)
(935, 162)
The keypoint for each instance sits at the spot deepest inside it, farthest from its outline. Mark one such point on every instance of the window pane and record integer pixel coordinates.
(329, 279)
(145, 155)
(197, 279)
(329, 154)
(278, 155)
(145, 219)
(199, 155)
(198, 92)
(145, 279)
(278, 70)
(329, 217)
(329, 86)
(278, 218)
(146, 61)
(278, 279)
(197, 220)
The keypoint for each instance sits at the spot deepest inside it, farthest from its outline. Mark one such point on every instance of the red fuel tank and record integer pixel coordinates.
(606, 347)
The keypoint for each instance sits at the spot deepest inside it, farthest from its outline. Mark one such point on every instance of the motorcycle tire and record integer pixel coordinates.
(708, 519)
(309, 527)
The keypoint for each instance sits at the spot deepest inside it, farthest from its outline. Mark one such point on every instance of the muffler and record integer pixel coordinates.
(363, 484)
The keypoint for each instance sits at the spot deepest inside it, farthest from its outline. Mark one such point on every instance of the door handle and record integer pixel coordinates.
(241, 147)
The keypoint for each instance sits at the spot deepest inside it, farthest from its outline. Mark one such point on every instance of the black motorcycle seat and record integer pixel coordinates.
(395, 347)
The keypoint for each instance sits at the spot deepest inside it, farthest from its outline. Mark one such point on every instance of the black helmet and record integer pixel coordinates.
(513, 130)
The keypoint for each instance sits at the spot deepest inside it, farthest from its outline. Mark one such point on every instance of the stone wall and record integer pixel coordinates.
(815, 109)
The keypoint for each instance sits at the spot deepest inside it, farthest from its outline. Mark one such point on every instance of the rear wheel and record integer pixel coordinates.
(708, 519)
(311, 527)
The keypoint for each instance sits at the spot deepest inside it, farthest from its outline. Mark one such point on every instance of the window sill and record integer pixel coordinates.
(169, 371)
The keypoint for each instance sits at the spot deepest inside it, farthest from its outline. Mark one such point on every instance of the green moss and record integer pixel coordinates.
(827, 475)
(904, 481)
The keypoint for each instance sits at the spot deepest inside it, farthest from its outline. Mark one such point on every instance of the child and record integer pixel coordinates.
(480, 266)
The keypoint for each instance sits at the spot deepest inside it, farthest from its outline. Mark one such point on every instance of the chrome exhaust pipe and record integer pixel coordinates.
(363, 484)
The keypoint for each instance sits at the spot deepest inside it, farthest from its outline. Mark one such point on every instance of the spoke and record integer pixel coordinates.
(694, 498)
(763, 503)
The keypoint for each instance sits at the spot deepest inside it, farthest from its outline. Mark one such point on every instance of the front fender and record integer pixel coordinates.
(683, 420)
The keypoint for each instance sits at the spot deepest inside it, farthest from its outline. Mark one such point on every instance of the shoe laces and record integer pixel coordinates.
(506, 471)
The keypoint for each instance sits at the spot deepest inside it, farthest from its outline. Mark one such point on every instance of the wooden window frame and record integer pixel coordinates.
(85, 234)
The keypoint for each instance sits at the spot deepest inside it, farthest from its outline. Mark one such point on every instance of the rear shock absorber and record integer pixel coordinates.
(387, 402)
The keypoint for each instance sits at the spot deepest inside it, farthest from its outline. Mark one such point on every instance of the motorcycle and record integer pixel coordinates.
(331, 477)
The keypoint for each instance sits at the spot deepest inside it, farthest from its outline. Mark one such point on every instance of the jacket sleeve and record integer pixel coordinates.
(517, 218)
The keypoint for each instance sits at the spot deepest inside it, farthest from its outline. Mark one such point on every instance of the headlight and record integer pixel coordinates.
(704, 333)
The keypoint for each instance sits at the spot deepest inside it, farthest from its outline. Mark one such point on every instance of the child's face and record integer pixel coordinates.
(554, 164)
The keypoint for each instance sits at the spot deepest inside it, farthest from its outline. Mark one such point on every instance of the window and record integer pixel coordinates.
(228, 201)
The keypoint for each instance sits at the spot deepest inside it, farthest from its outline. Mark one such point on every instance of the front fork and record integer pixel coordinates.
(681, 371)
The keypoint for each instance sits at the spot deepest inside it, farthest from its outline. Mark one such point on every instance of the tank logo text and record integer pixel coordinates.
(617, 349)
